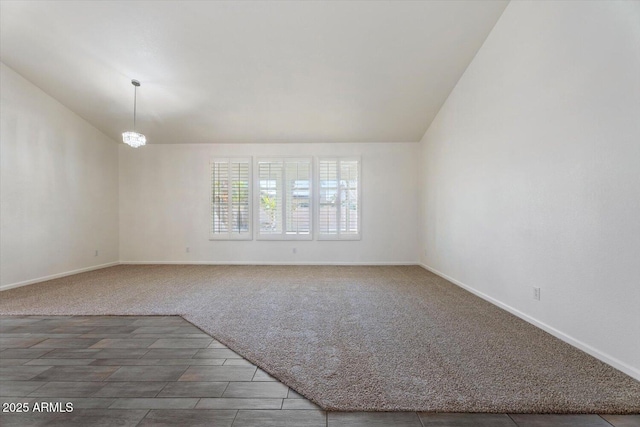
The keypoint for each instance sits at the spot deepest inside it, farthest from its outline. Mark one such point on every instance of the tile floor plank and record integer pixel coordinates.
(216, 344)
(182, 343)
(256, 389)
(294, 395)
(233, 403)
(77, 418)
(175, 336)
(8, 342)
(159, 321)
(66, 353)
(299, 404)
(155, 330)
(66, 343)
(145, 373)
(22, 373)
(23, 353)
(124, 343)
(280, 419)
(216, 353)
(131, 389)
(58, 362)
(74, 373)
(236, 362)
(170, 353)
(39, 335)
(623, 420)
(157, 362)
(558, 420)
(189, 418)
(19, 388)
(15, 362)
(465, 420)
(101, 331)
(218, 373)
(263, 376)
(67, 388)
(193, 389)
(154, 403)
(373, 419)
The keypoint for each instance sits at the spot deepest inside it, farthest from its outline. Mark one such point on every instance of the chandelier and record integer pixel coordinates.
(134, 138)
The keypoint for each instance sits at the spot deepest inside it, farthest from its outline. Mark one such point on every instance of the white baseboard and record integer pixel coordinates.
(627, 369)
(263, 263)
(56, 276)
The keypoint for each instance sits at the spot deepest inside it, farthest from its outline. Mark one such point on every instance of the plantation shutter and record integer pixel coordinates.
(349, 208)
(284, 198)
(230, 198)
(298, 197)
(270, 193)
(328, 200)
(338, 209)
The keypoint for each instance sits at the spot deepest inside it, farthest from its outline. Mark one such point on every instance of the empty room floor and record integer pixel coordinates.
(396, 345)
(161, 370)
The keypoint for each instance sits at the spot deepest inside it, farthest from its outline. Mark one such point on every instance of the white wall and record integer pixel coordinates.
(165, 206)
(531, 173)
(58, 188)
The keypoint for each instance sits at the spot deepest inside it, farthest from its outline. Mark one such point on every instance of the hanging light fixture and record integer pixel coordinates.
(134, 138)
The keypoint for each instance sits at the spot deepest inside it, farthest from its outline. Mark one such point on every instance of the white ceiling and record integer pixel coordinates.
(249, 71)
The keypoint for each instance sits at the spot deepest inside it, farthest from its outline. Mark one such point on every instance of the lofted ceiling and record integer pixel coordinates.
(267, 71)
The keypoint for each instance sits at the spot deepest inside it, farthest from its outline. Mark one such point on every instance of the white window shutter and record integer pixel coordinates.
(328, 197)
(298, 196)
(349, 206)
(230, 199)
(220, 197)
(284, 198)
(338, 212)
(270, 194)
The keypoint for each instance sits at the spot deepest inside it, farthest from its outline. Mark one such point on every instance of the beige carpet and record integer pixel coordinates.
(356, 338)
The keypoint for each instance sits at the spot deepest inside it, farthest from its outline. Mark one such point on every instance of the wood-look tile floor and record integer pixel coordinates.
(163, 371)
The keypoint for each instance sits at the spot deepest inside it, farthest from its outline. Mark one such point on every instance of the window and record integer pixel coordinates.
(231, 199)
(283, 198)
(288, 203)
(338, 212)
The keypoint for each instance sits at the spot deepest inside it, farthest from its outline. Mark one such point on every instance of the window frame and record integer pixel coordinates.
(338, 235)
(230, 235)
(256, 196)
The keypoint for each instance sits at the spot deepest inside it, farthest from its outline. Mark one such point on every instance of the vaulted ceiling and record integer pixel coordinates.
(218, 72)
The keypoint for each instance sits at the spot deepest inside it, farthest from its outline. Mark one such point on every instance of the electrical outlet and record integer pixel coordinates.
(536, 294)
(188, 249)
(295, 250)
(96, 253)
